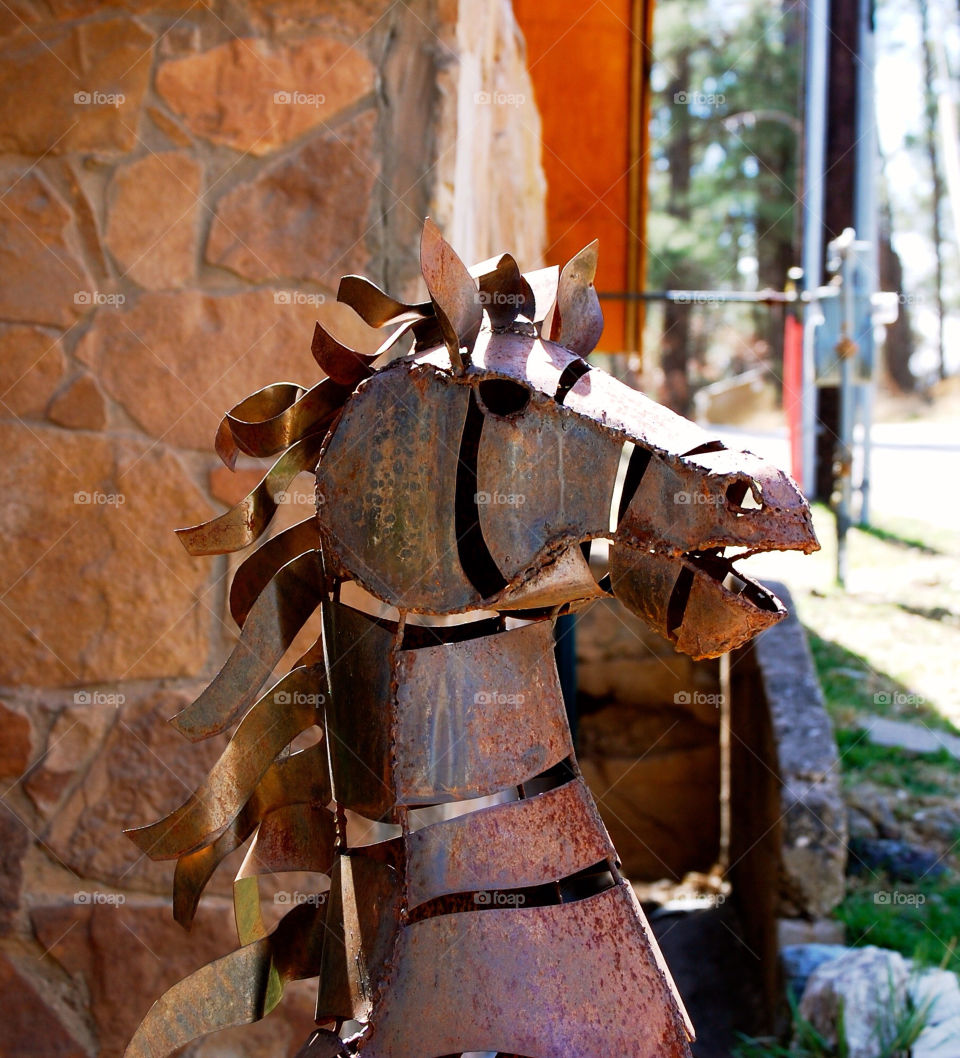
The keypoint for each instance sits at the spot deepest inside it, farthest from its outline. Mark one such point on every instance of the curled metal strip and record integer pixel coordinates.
(238, 989)
(301, 778)
(299, 837)
(454, 293)
(277, 718)
(256, 571)
(576, 321)
(243, 524)
(341, 363)
(225, 446)
(279, 613)
(505, 294)
(277, 417)
(375, 307)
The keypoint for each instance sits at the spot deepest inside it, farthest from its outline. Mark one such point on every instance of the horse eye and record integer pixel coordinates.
(500, 396)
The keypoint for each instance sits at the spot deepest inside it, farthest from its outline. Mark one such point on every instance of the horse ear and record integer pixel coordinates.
(454, 294)
(575, 320)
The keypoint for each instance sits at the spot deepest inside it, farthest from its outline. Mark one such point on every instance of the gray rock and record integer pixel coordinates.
(937, 994)
(800, 960)
(869, 985)
(900, 860)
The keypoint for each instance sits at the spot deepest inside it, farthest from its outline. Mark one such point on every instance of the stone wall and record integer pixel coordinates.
(183, 184)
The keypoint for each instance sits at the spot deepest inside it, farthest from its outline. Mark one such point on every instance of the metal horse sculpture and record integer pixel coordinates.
(467, 478)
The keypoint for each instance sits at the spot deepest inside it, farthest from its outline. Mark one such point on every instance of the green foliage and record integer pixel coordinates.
(920, 773)
(926, 929)
(736, 136)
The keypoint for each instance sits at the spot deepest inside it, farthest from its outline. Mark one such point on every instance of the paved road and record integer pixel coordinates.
(915, 467)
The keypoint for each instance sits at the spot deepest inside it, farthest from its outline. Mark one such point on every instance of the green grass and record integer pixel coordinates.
(923, 774)
(927, 929)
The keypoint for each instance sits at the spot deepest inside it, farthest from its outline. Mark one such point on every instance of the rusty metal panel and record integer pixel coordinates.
(478, 716)
(398, 540)
(359, 714)
(521, 843)
(538, 981)
(548, 476)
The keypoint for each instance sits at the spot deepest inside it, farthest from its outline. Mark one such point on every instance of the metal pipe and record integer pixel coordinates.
(815, 130)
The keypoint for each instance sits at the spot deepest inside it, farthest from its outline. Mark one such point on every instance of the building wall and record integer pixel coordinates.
(182, 186)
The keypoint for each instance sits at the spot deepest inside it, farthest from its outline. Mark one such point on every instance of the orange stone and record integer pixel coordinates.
(81, 406)
(152, 223)
(177, 362)
(73, 88)
(31, 367)
(95, 585)
(306, 215)
(255, 96)
(42, 276)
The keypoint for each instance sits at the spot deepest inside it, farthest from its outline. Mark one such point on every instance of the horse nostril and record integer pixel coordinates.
(745, 495)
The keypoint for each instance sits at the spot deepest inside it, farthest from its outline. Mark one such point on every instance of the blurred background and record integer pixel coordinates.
(776, 191)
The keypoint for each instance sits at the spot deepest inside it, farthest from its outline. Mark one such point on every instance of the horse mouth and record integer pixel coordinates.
(700, 600)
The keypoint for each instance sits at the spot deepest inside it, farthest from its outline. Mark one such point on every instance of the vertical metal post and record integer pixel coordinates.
(814, 149)
(865, 221)
(847, 350)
